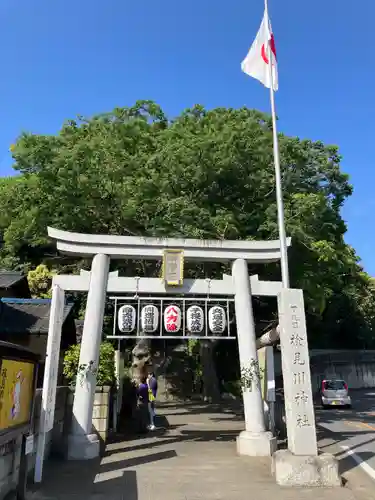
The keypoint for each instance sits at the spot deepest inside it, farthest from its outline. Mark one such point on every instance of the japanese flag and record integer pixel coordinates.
(256, 63)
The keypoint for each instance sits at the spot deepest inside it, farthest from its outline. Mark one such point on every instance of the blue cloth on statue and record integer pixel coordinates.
(153, 384)
(143, 393)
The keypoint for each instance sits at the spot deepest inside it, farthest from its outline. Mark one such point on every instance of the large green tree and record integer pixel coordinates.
(204, 174)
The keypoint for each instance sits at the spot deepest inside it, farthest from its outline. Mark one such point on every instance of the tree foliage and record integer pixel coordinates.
(105, 373)
(204, 174)
(40, 282)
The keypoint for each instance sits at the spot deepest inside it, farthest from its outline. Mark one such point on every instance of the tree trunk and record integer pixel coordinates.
(269, 338)
(211, 391)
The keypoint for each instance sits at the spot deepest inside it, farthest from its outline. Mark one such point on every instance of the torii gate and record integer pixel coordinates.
(255, 440)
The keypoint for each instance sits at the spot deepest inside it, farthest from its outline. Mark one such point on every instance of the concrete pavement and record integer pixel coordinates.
(192, 458)
(350, 436)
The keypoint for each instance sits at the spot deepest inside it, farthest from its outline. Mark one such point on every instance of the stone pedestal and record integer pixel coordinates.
(311, 471)
(95, 442)
(100, 414)
(252, 444)
(255, 440)
(83, 447)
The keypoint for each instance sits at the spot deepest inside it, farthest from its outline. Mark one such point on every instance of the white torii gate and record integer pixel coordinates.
(300, 464)
(83, 443)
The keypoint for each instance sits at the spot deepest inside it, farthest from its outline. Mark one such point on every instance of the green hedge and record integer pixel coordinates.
(105, 374)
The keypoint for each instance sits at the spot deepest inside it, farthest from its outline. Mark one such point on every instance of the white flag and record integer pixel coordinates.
(256, 63)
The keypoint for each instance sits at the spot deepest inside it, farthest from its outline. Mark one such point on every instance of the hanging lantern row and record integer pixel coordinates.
(149, 320)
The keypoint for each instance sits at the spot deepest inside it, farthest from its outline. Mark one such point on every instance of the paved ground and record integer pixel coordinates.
(193, 458)
(350, 435)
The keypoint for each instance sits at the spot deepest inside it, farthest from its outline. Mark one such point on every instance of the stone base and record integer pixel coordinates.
(295, 470)
(256, 444)
(84, 447)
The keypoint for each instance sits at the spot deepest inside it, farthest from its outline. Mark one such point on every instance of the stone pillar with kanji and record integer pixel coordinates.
(300, 465)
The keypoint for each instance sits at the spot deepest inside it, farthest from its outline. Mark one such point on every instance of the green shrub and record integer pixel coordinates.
(105, 374)
(233, 387)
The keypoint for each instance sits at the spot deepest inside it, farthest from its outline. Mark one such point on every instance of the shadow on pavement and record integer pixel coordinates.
(108, 478)
(330, 439)
(346, 463)
(105, 477)
(138, 447)
(198, 408)
(121, 488)
(83, 480)
(135, 461)
(184, 436)
(62, 477)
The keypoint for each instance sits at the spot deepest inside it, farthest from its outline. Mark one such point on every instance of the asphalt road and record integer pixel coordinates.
(350, 435)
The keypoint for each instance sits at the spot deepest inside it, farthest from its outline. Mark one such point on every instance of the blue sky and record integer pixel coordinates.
(64, 58)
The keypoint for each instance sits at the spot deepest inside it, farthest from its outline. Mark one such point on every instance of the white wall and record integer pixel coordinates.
(357, 376)
(357, 368)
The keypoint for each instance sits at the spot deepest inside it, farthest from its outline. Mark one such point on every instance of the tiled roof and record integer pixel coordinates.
(10, 278)
(26, 315)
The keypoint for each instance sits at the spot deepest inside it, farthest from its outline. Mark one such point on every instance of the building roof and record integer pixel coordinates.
(15, 350)
(26, 315)
(10, 278)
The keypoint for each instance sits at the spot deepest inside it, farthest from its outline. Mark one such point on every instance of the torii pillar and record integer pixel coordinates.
(254, 440)
(83, 441)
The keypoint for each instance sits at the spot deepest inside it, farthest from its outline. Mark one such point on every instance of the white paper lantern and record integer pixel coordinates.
(126, 318)
(172, 319)
(195, 319)
(149, 318)
(217, 321)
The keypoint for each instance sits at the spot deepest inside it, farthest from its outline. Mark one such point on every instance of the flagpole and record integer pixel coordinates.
(279, 189)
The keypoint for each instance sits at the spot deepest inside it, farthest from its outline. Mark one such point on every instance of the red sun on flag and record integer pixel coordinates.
(273, 49)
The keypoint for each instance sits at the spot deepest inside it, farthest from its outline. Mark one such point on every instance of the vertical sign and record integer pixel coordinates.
(50, 376)
(267, 378)
(173, 267)
(29, 446)
(270, 371)
(299, 407)
(16, 392)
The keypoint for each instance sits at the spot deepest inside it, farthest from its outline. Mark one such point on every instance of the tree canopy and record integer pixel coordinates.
(40, 282)
(203, 174)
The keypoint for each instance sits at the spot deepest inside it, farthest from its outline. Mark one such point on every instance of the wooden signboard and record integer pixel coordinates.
(18, 369)
(173, 267)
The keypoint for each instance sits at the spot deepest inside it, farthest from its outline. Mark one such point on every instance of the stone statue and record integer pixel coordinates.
(141, 360)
